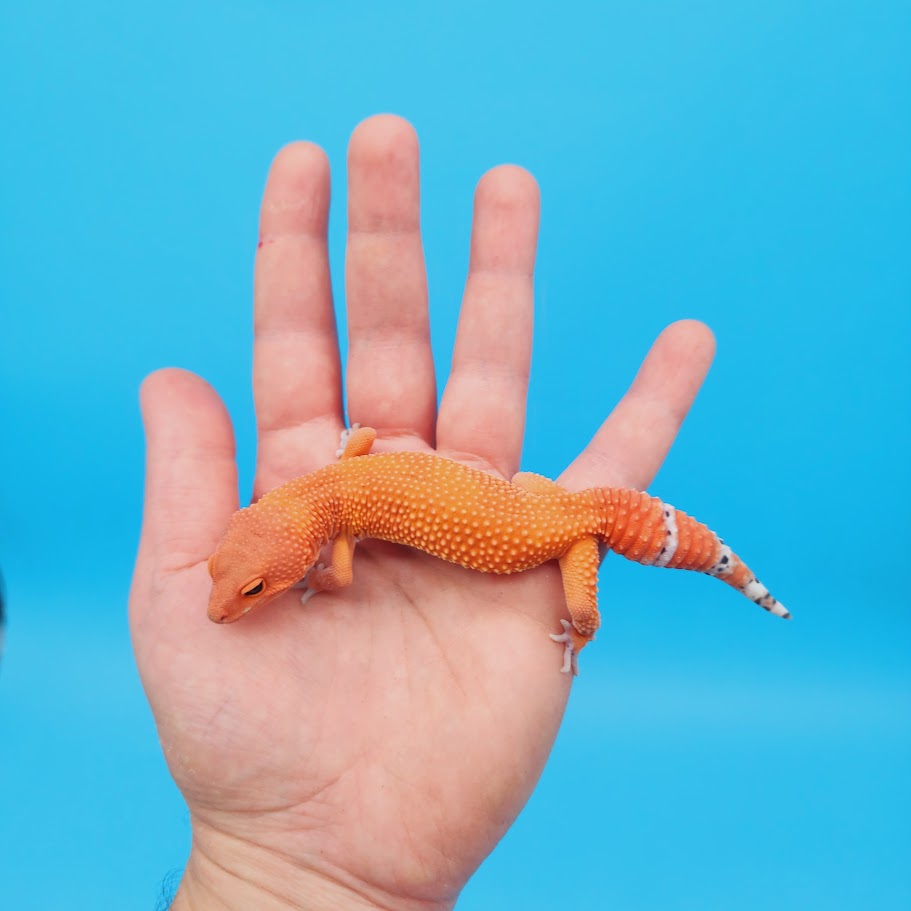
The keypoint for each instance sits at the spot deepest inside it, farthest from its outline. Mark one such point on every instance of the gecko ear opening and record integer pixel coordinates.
(255, 587)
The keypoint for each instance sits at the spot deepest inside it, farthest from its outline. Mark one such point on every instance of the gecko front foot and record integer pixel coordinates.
(570, 655)
(343, 439)
(308, 590)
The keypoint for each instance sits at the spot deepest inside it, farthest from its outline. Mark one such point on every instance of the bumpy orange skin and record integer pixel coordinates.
(461, 515)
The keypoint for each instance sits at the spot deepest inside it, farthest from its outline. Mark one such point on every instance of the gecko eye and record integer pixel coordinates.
(253, 588)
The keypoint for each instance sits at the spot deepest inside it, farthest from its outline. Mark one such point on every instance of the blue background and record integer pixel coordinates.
(746, 164)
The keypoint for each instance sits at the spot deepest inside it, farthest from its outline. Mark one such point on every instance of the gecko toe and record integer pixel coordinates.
(570, 656)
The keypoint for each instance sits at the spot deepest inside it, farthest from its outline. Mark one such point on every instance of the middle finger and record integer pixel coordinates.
(390, 377)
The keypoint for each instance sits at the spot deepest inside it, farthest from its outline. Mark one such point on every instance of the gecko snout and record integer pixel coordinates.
(217, 613)
(220, 615)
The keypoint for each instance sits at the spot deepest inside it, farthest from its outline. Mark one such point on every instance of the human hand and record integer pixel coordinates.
(369, 749)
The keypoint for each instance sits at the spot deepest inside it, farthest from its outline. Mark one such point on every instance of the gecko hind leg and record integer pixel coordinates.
(579, 569)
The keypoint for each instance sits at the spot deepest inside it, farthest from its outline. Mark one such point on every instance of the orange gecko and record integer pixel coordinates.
(462, 515)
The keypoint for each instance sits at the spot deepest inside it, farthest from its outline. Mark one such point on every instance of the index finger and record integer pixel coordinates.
(296, 367)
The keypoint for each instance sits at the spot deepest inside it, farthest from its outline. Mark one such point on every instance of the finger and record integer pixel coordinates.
(191, 476)
(390, 376)
(296, 368)
(483, 406)
(631, 444)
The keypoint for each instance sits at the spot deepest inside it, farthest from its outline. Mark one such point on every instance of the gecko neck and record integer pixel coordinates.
(313, 507)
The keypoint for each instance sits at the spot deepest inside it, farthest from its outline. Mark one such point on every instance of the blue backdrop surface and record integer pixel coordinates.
(744, 164)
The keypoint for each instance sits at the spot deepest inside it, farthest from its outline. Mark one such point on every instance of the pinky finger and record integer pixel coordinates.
(631, 444)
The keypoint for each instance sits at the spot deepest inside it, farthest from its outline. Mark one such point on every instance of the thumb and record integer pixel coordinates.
(191, 475)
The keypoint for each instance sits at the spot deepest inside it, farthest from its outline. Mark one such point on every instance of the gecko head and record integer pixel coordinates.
(258, 558)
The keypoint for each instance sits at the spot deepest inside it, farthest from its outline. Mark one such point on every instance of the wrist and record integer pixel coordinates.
(225, 873)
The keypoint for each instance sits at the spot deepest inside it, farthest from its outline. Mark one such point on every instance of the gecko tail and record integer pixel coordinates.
(647, 530)
(741, 577)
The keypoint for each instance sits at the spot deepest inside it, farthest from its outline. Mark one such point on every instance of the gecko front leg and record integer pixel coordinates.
(337, 574)
(353, 442)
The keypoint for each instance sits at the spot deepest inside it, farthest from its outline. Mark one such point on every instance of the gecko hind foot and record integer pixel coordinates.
(570, 655)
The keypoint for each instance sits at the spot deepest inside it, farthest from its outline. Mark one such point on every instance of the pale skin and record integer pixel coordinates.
(368, 750)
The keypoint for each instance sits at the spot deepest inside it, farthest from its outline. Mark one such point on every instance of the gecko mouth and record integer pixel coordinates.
(227, 617)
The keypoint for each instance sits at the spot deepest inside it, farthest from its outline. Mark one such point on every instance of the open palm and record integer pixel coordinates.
(369, 749)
